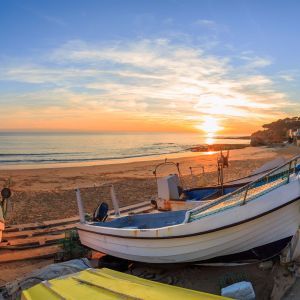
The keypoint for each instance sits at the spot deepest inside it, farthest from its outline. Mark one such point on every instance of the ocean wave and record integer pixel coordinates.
(40, 154)
(163, 144)
(54, 148)
(69, 160)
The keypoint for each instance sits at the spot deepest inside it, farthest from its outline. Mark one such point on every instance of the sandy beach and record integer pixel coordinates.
(48, 193)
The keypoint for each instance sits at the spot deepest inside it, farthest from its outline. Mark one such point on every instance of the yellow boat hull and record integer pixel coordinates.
(109, 285)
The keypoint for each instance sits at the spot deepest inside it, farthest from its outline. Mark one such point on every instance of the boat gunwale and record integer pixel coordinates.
(185, 235)
(199, 208)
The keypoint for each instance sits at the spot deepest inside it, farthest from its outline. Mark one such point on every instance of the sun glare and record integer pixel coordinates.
(209, 140)
(210, 126)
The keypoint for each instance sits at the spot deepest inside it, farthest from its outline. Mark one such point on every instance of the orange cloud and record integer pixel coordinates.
(148, 85)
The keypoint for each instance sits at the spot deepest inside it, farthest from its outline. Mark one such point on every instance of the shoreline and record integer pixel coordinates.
(141, 167)
(101, 162)
(190, 152)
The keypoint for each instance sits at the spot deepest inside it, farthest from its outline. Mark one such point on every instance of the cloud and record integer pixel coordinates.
(212, 29)
(153, 79)
(254, 62)
(287, 77)
(206, 23)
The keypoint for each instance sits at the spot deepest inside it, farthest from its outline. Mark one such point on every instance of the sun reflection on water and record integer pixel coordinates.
(210, 138)
(210, 126)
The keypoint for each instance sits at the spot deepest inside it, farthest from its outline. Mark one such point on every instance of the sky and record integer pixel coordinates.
(215, 66)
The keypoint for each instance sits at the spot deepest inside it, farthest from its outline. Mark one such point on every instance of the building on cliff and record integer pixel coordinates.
(295, 136)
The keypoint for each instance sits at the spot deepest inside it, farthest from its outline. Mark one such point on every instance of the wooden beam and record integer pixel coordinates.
(19, 227)
(14, 255)
(37, 240)
(29, 233)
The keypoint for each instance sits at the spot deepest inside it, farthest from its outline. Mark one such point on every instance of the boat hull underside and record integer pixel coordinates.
(271, 227)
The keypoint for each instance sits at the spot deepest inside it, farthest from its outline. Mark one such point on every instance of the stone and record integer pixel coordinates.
(266, 265)
(241, 291)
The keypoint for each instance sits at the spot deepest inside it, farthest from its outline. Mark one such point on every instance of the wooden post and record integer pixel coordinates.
(80, 206)
(222, 179)
(219, 174)
(245, 197)
(115, 201)
(289, 172)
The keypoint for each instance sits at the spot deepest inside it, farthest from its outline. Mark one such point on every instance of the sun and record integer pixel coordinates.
(210, 126)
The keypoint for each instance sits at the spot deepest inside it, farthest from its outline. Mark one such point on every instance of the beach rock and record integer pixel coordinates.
(267, 137)
(275, 132)
(266, 265)
(241, 290)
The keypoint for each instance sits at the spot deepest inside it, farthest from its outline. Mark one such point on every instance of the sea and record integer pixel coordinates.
(36, 149)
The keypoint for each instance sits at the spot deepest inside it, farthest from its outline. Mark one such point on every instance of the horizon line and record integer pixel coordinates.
(115, 132)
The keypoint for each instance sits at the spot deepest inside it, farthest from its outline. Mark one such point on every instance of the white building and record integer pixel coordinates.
(296, 135)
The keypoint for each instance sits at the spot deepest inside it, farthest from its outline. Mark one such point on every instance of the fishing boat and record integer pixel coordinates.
(260, 213)
(172, 196)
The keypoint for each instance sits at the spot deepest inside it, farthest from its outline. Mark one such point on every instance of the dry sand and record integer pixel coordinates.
(47, 194)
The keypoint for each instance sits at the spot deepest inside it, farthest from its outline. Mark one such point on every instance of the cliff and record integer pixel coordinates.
(275, 132)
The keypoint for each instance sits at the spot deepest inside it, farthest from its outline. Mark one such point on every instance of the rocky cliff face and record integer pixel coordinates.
(275, 132)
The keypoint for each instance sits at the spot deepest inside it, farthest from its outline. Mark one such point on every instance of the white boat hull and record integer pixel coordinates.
(272, 227)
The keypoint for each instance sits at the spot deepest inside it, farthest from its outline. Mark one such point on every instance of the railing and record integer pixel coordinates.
(256, 188)
(170, 163)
